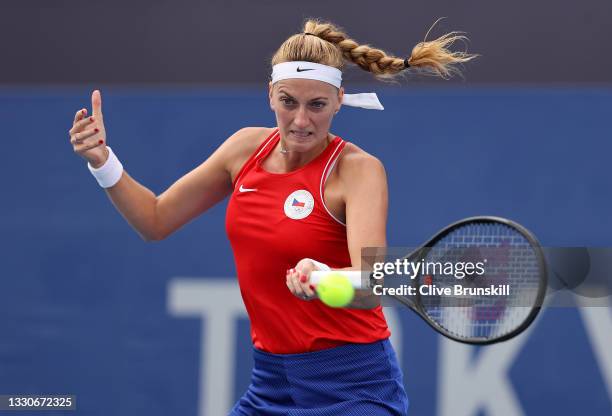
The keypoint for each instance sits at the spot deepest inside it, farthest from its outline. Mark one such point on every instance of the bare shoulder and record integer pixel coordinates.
(354, 164)
(246, 140)
(241, 145)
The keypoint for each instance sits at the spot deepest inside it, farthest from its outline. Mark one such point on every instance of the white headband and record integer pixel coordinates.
(325, 73)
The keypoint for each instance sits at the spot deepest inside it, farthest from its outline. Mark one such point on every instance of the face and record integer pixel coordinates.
(304, 111)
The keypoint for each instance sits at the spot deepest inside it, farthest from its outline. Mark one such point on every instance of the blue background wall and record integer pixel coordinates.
(84, 301)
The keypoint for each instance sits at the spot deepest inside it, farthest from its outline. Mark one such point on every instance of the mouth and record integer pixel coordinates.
(300, 134)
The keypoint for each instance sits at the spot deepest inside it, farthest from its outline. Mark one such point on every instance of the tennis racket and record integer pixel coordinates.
(511, 261)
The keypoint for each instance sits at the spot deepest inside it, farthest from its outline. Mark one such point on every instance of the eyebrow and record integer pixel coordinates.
(281, 91)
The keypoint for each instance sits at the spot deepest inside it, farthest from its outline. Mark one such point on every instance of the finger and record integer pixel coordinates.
(79, 115)
(96, 103)
(292, 283)
(83, 147)
(304, 283)
(79, 125)
(82, 136)
(289, 283)
(307, 288)
(299, 290)
(303, 276)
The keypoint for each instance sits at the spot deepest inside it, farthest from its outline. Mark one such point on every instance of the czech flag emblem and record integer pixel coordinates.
(297, 203)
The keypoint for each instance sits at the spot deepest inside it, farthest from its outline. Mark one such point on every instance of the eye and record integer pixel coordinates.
(318, 104)
(287, 101)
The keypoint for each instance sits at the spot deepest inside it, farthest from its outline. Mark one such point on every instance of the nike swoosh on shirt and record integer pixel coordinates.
(243, 189)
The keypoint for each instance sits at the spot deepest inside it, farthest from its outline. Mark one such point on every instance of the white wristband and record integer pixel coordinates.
(110, 172)
(320, 266)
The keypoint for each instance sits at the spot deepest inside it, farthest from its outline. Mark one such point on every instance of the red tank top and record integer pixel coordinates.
(273, 220)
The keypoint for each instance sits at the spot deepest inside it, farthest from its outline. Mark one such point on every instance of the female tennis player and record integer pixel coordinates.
(300, 199)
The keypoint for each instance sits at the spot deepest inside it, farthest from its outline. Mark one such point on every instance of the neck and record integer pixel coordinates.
(292, 159)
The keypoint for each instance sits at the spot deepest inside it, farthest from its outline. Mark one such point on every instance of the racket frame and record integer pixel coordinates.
(419, 253)
(539, 300)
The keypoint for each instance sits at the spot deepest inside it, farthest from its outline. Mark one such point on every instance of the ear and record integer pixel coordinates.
(270, 95)
(340, 97)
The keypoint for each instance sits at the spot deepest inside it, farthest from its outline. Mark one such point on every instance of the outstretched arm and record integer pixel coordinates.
(155, 217)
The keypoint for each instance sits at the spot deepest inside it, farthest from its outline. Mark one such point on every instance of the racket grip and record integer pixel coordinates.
(353, 275)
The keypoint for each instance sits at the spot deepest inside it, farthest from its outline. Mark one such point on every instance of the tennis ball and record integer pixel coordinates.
(335, 290)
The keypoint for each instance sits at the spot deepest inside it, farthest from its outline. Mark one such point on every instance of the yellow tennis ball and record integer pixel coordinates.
(335, 290)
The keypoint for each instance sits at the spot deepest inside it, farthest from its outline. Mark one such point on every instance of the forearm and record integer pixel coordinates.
(364, 298)
(155, 217)
(137, 204)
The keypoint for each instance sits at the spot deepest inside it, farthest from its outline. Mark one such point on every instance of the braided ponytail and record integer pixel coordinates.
(329, 45)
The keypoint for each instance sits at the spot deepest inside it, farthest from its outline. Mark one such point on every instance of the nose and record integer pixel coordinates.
(301, 120)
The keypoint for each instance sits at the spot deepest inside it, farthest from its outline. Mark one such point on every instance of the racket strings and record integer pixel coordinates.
(510, 264)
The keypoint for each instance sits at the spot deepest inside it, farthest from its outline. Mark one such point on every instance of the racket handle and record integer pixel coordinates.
(353, 275)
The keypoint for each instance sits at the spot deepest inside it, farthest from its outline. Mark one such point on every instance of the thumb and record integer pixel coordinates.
(96, 103)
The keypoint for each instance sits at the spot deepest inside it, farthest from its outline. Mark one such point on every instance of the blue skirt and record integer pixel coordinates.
(353, 379)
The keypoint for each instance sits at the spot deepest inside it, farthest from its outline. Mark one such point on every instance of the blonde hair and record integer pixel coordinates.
(325, 43)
